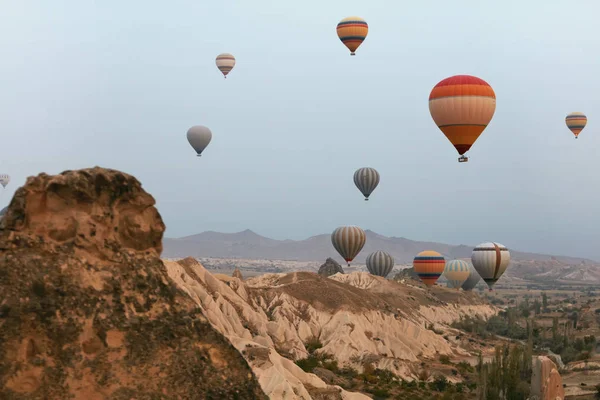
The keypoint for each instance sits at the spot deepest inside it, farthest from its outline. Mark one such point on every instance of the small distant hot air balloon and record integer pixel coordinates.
(4, 180)
(352, 31)
(225, 62)
(429, 265)
(472, 280)
(490, 261)
(380, 263)
(348, 241)
(462, 106)
(366, 180)
(199, 137)
(457, 272)
(576, 121)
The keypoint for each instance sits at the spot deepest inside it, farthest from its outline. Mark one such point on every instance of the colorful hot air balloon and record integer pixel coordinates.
(4, 180)
(366, 180)
(352, 31)
(490, 260)
(380, 263)
(456, 271)
(429, 265)
(472, 280)
(199, 137)
(576, 121)
(462, 106)
(225, 62)
(348, 241)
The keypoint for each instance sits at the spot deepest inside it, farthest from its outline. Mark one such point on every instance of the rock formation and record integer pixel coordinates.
(87, 310)
(237, 274)
(356, 317)
(546, 383)
(330, 267)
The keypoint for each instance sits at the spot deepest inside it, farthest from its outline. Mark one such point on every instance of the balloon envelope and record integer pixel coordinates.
(366, 180)
(462, 106)
(472, 280)
(490, 260)
(429, 265)
(348, 241)
(380, 263)
(199, 137)
(456, 271)
(225, 62)
(352, 31)
(4, 179)
(576, 121)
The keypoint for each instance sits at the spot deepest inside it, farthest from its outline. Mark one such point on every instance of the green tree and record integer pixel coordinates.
(537, 307)
(545, 301)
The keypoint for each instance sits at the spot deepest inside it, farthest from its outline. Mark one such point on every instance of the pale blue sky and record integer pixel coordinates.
(118, 83)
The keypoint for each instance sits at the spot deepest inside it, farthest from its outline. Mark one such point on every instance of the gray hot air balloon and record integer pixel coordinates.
(348, 241)
(4, 180)
(380, 263)
(199, 137)
(472, 280)
(366, 180)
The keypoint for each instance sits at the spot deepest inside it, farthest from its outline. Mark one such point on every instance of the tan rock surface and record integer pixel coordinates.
(87, 310)
(546, 383)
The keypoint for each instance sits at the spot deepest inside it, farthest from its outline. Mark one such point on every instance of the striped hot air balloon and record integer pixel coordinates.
(490, 260)
(348, 241)
(366, 180)
(4, 179)
(462, 106)
(352, 31)
(456, 271)
(225, 62)
(380, 263)
(576, 121)
(472, 280)
(429, 265)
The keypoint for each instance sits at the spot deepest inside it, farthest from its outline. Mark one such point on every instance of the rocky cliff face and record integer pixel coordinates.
(358, 318)
(330, 267)
(546, 383)
(86, 306)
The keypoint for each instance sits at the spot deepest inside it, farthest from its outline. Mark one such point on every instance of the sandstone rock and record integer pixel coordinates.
(330, 267)
(86, 306)
(237, 274)
(546, 383)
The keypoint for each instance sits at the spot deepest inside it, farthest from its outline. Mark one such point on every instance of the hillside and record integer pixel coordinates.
(362, 321)
(250, 245)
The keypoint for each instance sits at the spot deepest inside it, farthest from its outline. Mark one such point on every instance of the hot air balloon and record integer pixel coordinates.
(348, 241)
(225, 62)
(4, 180)
(490, 260)
(352, 31)
(199, 137)
(576, 121)
(456, 271)
(462, 106)
(472, 280)
(429, 265)
(366, 180)
(380, 263)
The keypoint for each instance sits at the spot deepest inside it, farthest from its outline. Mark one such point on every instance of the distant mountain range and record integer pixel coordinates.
(250, 245)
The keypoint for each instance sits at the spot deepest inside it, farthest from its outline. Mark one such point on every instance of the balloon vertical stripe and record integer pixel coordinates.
(366, 180)
(348, 241)
(380, 263)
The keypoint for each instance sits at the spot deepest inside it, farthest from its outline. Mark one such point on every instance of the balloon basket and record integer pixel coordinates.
(353, 54)
(463, 159)
(366, 199)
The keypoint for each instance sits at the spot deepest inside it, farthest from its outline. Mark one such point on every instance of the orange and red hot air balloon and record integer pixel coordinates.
(429, 265)
(576, 121)
(462, 106)
(352, 31)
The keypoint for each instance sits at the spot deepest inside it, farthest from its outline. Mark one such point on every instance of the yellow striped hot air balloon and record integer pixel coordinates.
(429, 265)
(462, 106)
(576, 121)
(225, 62)
(352, 31)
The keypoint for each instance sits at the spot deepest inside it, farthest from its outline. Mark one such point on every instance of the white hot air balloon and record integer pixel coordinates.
(199, 137)
(490, 260)
(4, 180)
